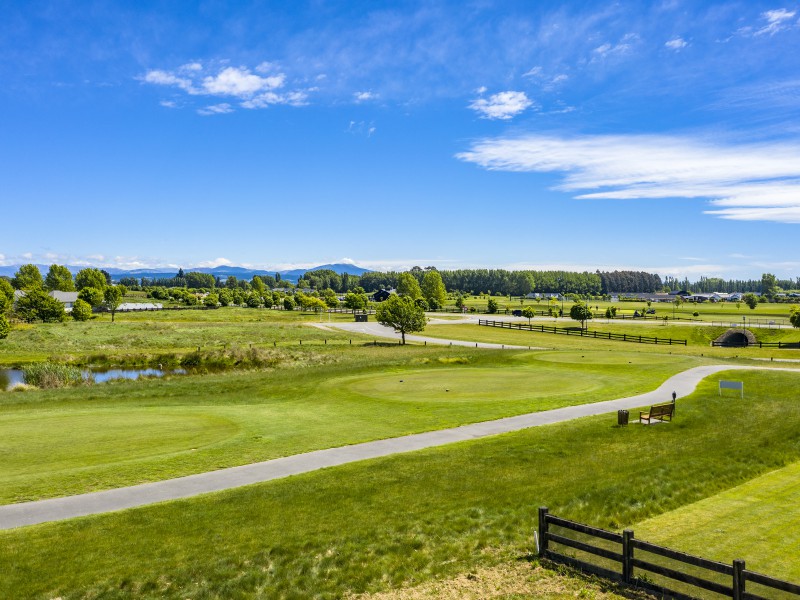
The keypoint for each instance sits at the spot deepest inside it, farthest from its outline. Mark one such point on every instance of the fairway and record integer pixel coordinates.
(757, 521)
(129, 432)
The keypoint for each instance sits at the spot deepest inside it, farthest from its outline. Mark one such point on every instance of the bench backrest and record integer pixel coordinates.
(661, 409)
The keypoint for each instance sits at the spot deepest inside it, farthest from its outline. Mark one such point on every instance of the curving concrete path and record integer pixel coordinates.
(381, 331)
(30, 513)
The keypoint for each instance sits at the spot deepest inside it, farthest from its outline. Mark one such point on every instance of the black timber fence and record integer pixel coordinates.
(795, 345)
(662, 571)
(600, 335)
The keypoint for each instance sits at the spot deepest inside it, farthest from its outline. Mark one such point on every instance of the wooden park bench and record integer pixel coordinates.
(660, 412)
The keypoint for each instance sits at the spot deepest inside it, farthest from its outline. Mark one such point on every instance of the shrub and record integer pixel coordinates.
(288, 303)
(695, 314)
(51, 375)
(81, 310)
(4, 327)
(492, 306)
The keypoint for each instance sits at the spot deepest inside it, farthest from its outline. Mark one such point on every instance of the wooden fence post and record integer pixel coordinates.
(738, 579)
(627, 555)
(543, 532)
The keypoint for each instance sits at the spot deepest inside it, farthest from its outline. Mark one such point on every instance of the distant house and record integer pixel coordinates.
(382, 295)
(66, 298)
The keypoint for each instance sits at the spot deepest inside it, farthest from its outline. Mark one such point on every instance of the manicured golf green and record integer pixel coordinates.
(111, 435)
(757, 520)
(406, 519)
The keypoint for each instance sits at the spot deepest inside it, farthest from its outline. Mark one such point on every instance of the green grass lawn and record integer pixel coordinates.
(757, 520)
(698, 338)
(708, 311)
(406, 519)
(116, 434)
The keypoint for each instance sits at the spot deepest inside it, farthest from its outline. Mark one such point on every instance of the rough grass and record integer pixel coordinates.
(137, 334)
(48, 375)
(404, 520)
(232, 418)
(714, 527)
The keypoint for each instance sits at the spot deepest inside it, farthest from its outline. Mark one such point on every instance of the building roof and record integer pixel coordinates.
(64, 297)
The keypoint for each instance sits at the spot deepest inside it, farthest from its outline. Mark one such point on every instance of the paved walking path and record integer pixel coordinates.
(381, 331)
(30, 513)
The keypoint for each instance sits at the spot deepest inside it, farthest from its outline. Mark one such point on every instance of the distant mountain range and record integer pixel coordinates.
(222, 272)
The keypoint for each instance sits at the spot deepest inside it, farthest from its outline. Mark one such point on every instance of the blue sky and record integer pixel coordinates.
(662, 136)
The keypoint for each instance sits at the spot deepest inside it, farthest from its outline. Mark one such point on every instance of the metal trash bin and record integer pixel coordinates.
(622, 417)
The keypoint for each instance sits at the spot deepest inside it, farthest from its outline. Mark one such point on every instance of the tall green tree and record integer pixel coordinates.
(751, 300)
(6, 296)
(402, 314)
(37, 305)
(407, 285)
(794, 316)
(769, 285)
(90, 277)
(93, 296)
(433, 289)
(28, 277)
(580, 312)
(59, 278)
(113, 298)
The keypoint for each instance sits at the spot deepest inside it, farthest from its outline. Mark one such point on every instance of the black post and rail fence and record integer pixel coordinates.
(631, 561)
(600, 335)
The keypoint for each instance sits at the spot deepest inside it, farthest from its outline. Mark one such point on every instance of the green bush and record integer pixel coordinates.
(4, 327)
(51, 375)
(81, 310)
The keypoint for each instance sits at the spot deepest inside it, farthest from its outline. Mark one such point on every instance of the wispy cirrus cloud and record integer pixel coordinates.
(503, 105)
(746, 182)
(777, 20)
(259, 89)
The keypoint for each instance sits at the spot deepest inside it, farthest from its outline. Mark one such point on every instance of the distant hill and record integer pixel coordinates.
(222, 272)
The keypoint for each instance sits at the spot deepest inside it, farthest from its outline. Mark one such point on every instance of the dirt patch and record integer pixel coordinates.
(518, 580)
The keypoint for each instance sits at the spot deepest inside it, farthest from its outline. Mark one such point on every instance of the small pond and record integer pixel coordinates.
(11, 377)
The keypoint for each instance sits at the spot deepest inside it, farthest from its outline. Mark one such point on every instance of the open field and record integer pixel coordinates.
(727, 312)
(138, 334)
(403, 520)
(713, 527)
(117, 434)
(699, 339)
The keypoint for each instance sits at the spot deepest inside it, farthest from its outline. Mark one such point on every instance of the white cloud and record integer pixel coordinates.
(240, 82)
(534, 72)
(365, 96)
(740, 182)
(216, 109)
(777, 20)
(676, 44)
(158, 77)
(621, 48)
(210, 264)
(503, 105)
(168, 104)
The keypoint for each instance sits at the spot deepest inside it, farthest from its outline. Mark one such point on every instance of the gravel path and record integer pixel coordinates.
(30, 513)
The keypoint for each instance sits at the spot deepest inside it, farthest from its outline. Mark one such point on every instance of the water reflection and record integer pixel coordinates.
(11, 377)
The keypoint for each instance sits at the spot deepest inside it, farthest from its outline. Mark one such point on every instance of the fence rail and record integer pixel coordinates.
(626, 563)
(795, 345)
(601, 335)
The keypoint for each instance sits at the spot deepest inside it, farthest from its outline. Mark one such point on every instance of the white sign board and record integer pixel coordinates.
(731, 385)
